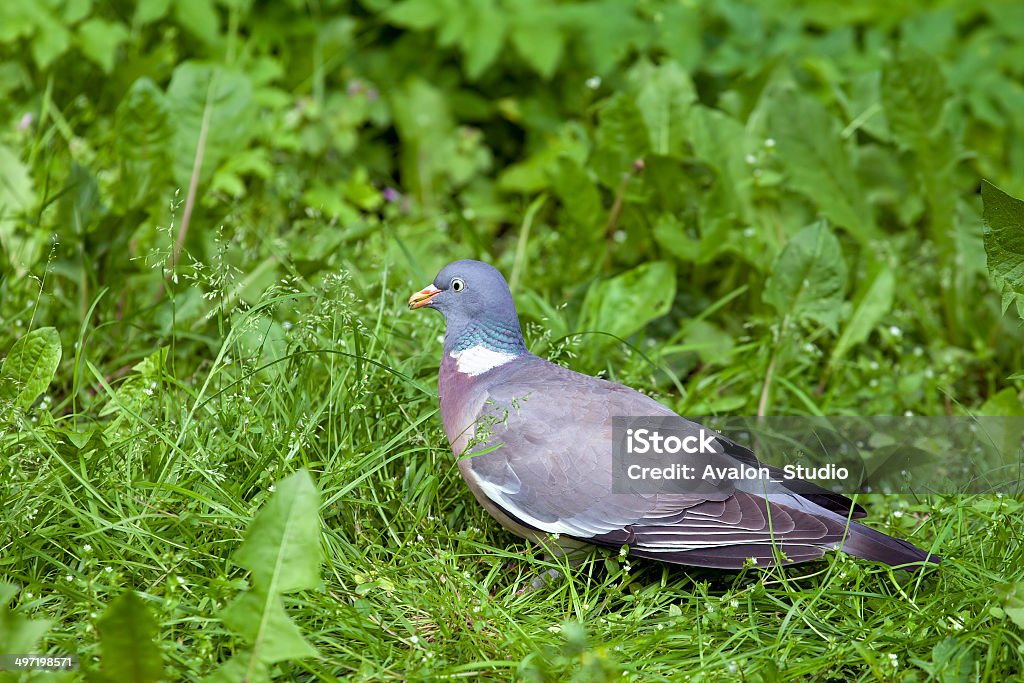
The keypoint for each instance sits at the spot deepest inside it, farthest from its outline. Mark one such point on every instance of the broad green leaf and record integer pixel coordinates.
(484, 36)
(914, 93)
(213, 99)
(809, 277)
(721, 142)
(425, 124)
(1013, 602)
(16, 198)
(1005, 435)
(74, 11)
(18, 634)
(608, 30)
(533, 174)
(708, 340)
(128, 642)
(282, 544)
(140, 148)
(625, 303)
(30, 366)
(1006, 403)
(874, 303)
(622, 127)
(16, 192)
(665, 94)
(815, 159)
(148, 11)
(51, 39)
(260, 618)
(13, 75)
(621, 139)
(578, 194)
(537, 36)
(673, 237)
(17, 20)
(417, 14)
(953, 661)
(100, 39)
(1004, 241)
(282, 551)
(200, 18)
(81, 203)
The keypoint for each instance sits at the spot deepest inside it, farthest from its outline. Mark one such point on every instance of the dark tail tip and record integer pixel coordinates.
(865, 542)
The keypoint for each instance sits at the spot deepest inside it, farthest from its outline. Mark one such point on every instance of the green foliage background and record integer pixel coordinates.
(212, 212)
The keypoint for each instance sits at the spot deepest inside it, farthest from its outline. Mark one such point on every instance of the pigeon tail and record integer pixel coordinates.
(864, 542)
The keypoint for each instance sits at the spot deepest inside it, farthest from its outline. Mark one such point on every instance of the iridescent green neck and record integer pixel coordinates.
(492, 335)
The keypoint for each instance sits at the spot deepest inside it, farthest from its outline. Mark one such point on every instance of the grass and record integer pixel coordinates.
(220, 215)
(152, 488)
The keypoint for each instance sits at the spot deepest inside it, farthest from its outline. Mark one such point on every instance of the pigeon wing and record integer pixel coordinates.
(543, 443)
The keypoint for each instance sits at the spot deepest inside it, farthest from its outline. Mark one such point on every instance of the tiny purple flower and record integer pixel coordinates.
(25, 122)
(354, 87)
(390, 194)
(372, 94)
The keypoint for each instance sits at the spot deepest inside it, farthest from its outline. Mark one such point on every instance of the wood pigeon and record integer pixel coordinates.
(534, 443)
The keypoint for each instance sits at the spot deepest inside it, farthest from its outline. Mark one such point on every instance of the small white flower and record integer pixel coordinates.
(769, 142)
(750, 159)
(108, 569)
(414, 639)
(594, 82)
(87, 548)
(908, 413)
(895, 331)
(271, 488)
(69, 577)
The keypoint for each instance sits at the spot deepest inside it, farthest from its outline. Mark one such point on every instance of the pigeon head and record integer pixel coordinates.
(477, 306)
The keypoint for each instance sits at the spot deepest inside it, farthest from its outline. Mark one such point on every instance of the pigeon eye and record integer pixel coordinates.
(458, 284)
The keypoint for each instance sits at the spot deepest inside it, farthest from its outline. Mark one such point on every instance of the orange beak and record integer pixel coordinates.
(423, 297)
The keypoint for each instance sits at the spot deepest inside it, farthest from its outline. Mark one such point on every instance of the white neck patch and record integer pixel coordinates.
(478, 359)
